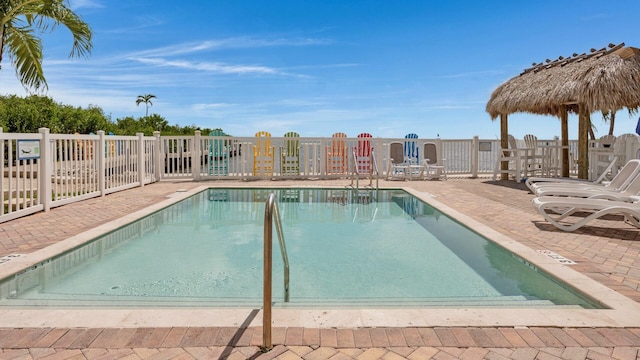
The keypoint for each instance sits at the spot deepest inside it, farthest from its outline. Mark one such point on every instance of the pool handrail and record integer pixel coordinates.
(355, 178)
(271, 214)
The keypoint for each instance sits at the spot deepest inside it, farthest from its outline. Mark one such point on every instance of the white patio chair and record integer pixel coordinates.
(433, 166)
(397, 169)
(626, 147)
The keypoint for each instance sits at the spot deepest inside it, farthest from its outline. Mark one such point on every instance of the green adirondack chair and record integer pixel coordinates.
(290, 155)
(218, 154)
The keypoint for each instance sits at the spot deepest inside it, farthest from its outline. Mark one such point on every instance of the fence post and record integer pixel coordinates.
(44, 169)
(196, 157)
(324, 146)
(157, 156)
(99, 153)
(379, 144)
(141, 163)
(475, 149)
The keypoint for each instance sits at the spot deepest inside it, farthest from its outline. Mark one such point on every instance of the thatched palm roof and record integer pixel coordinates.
(604, 80)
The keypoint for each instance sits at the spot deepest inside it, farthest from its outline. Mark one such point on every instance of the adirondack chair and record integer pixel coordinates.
(84, 148)
(218, 155)
(601, 156)
(363, 155)
(412, 156)
(363, 161)
(411, 149)
(263, 155)
(513, 156)
(290, 155)
(337, 155)
(404, 159)
(110, 146)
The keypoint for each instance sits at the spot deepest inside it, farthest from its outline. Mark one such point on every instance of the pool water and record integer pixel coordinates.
(345, 248)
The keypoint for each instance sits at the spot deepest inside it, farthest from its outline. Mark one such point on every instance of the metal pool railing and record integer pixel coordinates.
(271, 214)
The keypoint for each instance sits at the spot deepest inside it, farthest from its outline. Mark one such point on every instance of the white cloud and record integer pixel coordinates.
(145, 22)
(208, 66)
(214, 106)
(228, 43)
(85, 4)
(472, 74)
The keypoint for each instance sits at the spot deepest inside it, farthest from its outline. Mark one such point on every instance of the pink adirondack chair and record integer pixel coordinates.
(363, 154)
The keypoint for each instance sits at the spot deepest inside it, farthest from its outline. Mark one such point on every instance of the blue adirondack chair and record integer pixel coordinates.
(412, 156)
(411, 148)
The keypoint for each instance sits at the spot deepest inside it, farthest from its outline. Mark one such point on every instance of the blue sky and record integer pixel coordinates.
(319, 67)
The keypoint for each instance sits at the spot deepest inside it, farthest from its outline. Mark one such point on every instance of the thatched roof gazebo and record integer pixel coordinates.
(604, 80)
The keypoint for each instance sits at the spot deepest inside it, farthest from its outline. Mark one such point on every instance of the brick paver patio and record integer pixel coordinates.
(605, 250)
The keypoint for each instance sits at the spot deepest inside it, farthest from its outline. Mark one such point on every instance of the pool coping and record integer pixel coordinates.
(623, 311)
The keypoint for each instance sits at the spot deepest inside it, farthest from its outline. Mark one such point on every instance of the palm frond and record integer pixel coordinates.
(22, 19)
(25, 51)
(49, 15)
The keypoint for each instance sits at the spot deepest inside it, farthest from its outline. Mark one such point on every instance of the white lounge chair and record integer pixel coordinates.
(619, 182)
(534, 181)
(630, 193)
(563, 207)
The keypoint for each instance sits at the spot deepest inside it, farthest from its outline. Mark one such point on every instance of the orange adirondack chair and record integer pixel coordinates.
(337, 155)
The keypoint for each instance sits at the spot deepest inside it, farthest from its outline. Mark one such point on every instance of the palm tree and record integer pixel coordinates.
(611, 118)
(146, 99)
(21, 20)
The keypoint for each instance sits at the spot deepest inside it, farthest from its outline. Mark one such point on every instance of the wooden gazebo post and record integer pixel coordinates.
(504, 144)
(583, 141)
(564, 124)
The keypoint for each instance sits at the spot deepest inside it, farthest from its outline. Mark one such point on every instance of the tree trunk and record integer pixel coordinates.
(1, 44)
(592, 135)
(612, 122)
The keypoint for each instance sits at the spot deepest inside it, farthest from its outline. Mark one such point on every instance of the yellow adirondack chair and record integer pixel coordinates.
(263, 155)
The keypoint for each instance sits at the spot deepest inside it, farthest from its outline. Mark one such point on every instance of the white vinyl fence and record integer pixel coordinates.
(46, 170)
(463, 157)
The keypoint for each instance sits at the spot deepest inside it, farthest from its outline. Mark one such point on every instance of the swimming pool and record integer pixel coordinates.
(346, 248)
